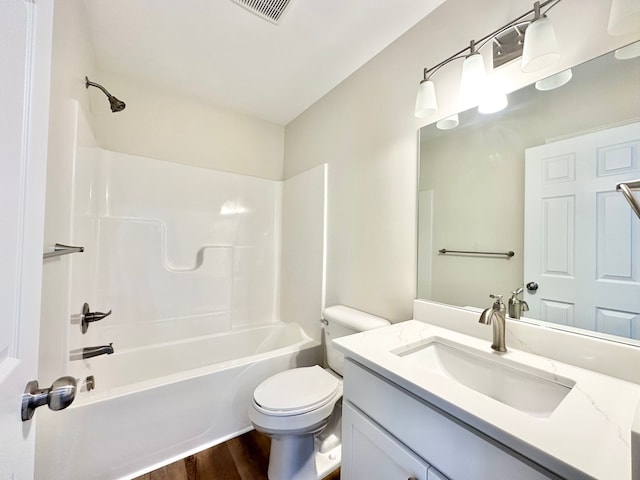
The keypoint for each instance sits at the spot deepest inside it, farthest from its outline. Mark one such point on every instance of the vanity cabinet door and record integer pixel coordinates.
(434, 474)
(371, 453)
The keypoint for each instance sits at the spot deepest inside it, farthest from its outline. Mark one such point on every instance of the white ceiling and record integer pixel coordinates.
(221, 53)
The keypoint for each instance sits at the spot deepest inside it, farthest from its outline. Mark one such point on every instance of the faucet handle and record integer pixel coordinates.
(497, 297)
(88, 316)
(517, 291)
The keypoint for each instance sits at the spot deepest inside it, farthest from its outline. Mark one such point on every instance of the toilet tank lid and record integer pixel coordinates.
(355, 319)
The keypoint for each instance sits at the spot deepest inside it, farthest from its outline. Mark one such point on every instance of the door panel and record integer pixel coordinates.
(25, 43)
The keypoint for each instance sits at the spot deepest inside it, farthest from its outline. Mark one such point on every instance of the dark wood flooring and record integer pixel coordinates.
(242, 458)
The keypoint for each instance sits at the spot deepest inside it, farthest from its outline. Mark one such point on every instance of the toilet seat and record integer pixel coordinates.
(295, 392)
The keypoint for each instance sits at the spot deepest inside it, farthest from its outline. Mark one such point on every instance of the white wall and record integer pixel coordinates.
(160, 124)
(365, 130)
(302, 282)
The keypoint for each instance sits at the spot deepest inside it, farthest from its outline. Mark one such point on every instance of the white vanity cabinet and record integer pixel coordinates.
(390, 434)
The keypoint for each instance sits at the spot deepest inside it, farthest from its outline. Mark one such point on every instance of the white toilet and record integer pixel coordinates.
(301, 409)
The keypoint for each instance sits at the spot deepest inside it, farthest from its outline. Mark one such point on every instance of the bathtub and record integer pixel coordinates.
(156, 404)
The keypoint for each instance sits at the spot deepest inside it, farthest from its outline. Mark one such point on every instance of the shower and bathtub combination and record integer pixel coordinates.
(188, 260)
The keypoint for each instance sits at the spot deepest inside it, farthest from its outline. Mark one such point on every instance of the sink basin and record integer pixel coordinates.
(525, 388)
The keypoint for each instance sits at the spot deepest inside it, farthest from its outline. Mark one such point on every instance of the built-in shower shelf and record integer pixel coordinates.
(59, 250)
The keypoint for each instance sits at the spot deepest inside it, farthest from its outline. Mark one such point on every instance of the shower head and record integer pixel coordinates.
(116, 105)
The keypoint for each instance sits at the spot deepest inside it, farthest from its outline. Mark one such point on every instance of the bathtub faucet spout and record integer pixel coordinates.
(88, 352)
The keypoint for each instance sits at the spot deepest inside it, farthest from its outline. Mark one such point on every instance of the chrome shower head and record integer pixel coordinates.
(116, 105)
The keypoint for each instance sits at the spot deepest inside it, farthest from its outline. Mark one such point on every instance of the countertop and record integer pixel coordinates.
(587, 436)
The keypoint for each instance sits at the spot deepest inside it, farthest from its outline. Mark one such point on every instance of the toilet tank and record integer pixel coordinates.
(341, 321)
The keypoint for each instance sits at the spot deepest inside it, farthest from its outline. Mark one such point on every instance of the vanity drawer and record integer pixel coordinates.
(459, 453)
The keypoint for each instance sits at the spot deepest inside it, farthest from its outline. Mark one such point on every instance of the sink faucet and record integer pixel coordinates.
(517, 305)
(496, 315)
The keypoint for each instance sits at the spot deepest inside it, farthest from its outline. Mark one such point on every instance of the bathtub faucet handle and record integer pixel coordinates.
(90, 352)
(88, 316)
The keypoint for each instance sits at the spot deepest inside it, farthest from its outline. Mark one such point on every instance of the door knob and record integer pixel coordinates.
(58, 397)
(532, 287)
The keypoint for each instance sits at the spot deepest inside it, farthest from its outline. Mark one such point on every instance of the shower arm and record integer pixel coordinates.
(89, 83)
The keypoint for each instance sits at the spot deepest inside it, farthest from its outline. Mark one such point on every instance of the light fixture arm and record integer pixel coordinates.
(476, 45)
(428, 72)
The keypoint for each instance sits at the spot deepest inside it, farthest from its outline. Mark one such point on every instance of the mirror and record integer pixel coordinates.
(476, 195)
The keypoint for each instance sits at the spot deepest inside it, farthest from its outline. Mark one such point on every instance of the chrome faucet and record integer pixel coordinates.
(496, 316)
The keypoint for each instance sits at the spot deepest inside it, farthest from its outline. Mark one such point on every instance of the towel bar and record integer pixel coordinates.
(59, 250)
(509, 254)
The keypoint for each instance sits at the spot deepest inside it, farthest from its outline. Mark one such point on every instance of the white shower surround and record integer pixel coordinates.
(175, 251)
(188, 260)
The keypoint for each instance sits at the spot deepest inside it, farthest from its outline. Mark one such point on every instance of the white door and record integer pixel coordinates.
(582, 239)
(25, 55)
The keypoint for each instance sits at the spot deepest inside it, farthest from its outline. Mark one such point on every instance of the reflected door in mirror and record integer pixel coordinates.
(571, 197)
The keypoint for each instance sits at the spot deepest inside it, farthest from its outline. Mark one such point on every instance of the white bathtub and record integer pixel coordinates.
(156, 404)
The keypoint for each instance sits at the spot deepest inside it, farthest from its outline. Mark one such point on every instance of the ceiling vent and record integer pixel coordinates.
(271, 10)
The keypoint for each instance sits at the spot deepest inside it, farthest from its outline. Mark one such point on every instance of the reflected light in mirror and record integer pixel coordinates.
(628, 52)
(448, 123)
(554, 81)
(493, 101)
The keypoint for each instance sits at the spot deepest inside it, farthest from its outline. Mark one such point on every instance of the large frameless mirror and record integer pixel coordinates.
(527, 197)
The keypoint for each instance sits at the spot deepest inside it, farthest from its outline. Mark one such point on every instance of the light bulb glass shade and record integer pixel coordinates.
(473, 80)
(426, 100)
(448, 123)
(540, 48)
(624, 17)
(628, 52)
(554, 81)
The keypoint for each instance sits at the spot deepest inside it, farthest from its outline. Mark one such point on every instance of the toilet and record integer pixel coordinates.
(301, 409)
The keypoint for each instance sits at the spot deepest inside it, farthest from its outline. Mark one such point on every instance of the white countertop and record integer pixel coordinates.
(587, 436)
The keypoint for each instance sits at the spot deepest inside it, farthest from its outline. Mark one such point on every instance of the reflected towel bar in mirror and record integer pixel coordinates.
(625, 188)
(508, 254)
(59, 250)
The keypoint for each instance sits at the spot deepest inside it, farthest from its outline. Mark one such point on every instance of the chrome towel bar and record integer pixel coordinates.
(508, 254)
(625, 188)
(59, 250)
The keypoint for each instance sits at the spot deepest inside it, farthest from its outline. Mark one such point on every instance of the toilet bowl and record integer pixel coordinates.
(301, 409)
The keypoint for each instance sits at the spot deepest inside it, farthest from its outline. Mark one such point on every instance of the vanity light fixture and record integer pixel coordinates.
(539, 51)
(540, 48)
(624, 17)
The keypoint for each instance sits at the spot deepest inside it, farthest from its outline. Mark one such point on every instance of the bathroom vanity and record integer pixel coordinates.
(426, 402)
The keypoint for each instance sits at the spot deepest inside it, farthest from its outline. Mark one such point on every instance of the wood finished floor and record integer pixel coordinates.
(242, 458)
